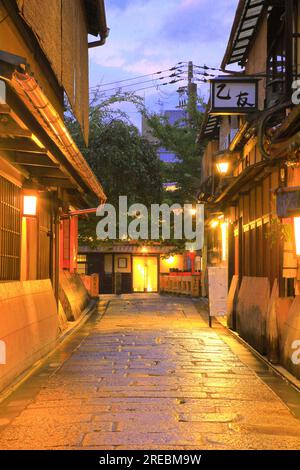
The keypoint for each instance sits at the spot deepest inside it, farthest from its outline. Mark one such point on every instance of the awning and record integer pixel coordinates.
(34, 138)
(239, 182)
(96, 17)
(210, 125)
(245, 25)
(127, 248)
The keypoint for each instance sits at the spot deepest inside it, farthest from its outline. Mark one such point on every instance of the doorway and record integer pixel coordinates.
(145, 274)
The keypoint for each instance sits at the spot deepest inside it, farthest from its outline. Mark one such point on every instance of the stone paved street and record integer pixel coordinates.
(150, 374)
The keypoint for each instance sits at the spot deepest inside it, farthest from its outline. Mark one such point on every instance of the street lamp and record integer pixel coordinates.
(222, 166)
(214, 224)
(29, 205)
(170, 260)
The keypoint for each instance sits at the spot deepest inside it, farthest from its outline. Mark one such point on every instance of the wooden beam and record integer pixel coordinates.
(289, 25)
(14, 130)
(40, 172)
(29, 159)
(20, 145)
(56, 182)
(4, 108)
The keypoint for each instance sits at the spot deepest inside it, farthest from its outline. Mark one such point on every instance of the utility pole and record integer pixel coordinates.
(192, 92)
(190, 73)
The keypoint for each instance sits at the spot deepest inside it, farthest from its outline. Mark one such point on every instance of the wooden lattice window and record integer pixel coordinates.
(10, 230)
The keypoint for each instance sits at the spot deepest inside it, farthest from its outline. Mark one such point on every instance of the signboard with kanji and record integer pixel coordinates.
(233, 95)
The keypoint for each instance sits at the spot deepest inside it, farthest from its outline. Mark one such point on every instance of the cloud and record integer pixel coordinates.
(148, 35)
(133, 25)
(151, 35)
(195, 21)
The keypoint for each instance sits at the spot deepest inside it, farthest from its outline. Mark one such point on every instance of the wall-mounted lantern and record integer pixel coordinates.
(223, 166)
(29, 205)
(214, 224)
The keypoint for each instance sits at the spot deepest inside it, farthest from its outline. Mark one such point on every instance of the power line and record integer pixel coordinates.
(203, 80)
(140, 83)
(156, 86)
(140, 76)
(204, 67)
(205, 74)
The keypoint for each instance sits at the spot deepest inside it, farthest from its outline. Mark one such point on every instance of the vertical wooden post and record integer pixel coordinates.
(56, 246)
(73, 243)
(289, 26)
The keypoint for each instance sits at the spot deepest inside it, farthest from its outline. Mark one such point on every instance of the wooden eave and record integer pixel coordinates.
(26, 113)
(25, 145)
(245, 26)
(96, 17)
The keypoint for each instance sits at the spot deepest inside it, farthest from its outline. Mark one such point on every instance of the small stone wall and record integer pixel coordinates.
(28, 326)
(269, 323)
(73, 295)
(252, 308)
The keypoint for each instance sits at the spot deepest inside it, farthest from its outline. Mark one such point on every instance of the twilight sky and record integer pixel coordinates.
(151, 35)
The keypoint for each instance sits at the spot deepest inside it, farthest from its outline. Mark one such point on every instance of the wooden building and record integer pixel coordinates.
(43, 175)
(125, 268)
(251, 175)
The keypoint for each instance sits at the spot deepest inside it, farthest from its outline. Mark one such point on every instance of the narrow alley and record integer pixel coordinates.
(147, 373)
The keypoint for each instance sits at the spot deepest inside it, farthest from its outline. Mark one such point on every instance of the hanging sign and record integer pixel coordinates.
(233, 95)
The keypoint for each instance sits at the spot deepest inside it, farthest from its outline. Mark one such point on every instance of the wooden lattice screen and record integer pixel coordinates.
(10, 230)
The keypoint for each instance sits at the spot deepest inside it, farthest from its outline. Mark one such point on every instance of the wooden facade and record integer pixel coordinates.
(262, 152)
(44, 54)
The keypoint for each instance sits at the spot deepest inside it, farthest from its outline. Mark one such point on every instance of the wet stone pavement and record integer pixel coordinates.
(150, 374)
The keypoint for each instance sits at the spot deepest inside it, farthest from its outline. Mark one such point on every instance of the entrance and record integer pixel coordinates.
(145, 274)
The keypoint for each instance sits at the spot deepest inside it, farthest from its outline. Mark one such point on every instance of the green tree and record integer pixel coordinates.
(125, 163)
(181, 139)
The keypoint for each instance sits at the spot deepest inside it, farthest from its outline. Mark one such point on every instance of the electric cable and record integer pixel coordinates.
(138, 83)
(138, 77)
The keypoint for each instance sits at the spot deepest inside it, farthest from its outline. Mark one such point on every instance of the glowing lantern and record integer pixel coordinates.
(214, 223)
(223, 167)
(29, 206)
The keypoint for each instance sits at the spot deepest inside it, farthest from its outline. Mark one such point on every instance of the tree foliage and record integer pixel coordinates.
(181, 139)
(125, 163)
